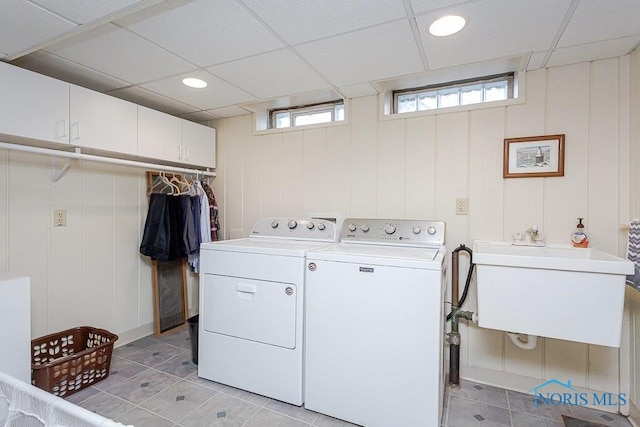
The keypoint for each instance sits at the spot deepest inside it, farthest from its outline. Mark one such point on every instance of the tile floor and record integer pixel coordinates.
(154, 383)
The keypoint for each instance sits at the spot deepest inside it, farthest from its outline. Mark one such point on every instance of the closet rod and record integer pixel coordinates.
(79, 156)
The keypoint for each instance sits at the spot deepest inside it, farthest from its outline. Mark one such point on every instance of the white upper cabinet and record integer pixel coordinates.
(161, 136)
(198, 144)
(33, 106)
(37, 108)
(103, 122)
(158, 135)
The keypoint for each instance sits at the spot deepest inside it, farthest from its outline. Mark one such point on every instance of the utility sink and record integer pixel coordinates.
(555, 291)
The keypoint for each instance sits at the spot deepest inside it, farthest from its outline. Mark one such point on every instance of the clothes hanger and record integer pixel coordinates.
(169, 184)
(179, 185)
(157, 181)
(186, 185)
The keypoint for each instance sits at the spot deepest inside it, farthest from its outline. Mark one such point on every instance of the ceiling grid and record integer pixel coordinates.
(275, 52)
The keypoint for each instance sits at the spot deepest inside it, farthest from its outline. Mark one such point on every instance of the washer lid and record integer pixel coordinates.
(266, 246)
(394, 256)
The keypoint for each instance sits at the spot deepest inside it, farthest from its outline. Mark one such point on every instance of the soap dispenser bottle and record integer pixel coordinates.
(579, 237)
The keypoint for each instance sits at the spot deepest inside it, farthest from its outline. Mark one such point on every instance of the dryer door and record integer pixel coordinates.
(249, 309)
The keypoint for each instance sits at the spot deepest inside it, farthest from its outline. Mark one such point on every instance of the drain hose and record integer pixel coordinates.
(525, 342)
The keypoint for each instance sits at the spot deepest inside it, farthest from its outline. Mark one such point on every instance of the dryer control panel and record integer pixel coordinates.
(296, 229)
(394, 231)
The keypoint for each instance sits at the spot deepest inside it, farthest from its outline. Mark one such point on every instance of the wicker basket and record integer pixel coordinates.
(69, 361)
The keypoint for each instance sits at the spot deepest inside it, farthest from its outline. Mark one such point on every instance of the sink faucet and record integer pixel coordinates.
(532, 235)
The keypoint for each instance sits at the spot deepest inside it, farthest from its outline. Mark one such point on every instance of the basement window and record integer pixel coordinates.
(454, 94)
(307, 115)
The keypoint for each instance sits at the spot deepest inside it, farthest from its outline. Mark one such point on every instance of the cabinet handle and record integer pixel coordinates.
(186, 153)
(179, 151)
(75, 125)
(62, 128)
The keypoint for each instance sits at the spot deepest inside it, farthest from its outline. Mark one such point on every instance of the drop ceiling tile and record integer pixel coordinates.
(593, 51)
(308, 98)
(23, 25)
(120, 53)
(229, 111)
(602, 20)
(59, 68)
(358, 90)
(422, 6)
(303, 21)
(152, 100)
(375, 53)
(83, 11)
(204, 32)
(271, 75)
(495, 29)
(199, 116)
(218, 93)
(447, 75)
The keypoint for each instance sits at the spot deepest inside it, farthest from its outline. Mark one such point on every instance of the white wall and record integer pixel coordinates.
(415, 167)
(90, 272)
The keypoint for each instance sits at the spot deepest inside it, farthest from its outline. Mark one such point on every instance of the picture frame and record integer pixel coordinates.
(534, 156)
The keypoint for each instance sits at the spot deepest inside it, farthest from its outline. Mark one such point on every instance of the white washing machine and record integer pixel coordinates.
(374, 325)
(251, 320)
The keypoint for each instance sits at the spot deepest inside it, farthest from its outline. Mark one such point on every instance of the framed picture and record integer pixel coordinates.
(534, 156)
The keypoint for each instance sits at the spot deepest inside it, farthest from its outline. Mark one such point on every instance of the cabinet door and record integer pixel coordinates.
(159, 135)
(198, 144)
(33, 105)
(103, 122)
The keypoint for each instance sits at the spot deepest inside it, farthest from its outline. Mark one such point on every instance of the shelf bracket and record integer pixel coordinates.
(55, 176)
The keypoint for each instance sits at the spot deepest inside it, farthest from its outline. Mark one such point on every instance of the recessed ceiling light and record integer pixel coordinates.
(192, 82)
(447, 25)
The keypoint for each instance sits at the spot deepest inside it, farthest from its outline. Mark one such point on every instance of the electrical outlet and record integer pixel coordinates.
(60, 218)
(461, 206)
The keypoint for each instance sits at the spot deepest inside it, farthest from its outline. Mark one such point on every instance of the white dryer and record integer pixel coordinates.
(374, 324)
(252, 306)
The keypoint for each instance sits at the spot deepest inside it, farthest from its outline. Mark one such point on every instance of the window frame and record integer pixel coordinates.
(510, 77)
(303, 110)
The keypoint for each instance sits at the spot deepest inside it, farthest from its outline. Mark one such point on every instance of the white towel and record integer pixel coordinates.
(633, 253)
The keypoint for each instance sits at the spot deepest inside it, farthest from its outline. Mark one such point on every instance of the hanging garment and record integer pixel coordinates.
(170, 229)
(633, 254)
(204, 224)
(213, 206)
(196, 212)
(157, 228)
(188, 243)
(205, 214)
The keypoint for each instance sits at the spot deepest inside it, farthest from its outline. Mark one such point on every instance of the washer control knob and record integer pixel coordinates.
(389, 228)
(352, 227)
(292, 224)
(321, 226)
(310, 225)
(431, 230)
(274, 224)
(417, 230)
(364, 227)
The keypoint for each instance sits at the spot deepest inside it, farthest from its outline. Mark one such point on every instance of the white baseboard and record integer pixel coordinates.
(523, 384)
(134, 334)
